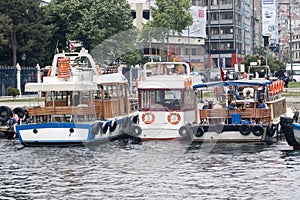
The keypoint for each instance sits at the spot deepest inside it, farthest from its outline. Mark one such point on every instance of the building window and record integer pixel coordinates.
(146, 14)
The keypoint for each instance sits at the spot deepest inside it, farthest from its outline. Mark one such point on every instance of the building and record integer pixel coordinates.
(233, 30)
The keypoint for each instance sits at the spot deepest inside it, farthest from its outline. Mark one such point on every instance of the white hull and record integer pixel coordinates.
(161, 129)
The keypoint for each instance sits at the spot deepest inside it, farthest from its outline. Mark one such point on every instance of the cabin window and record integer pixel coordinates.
(160, 99)
(110, 91)
(189, 96)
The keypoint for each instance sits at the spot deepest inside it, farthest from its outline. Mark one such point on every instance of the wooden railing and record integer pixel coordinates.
(247, 113)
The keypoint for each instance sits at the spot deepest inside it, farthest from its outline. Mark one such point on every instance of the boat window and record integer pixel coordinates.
(166, 69)
(122, 90)
(173, 99)
(189, 97)
(110, 91)
(160, 99)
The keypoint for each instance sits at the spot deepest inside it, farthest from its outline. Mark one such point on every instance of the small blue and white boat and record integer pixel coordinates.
(83, 104)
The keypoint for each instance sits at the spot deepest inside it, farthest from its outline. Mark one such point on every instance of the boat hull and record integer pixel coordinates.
(231, 133)
(67, 134)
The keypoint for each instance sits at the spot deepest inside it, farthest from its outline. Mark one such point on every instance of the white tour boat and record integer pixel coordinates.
(83, 105)
(166, 99)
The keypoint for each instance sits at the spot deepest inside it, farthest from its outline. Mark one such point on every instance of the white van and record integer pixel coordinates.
(296, 71)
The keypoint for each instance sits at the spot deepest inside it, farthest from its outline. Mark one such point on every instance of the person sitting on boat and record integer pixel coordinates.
(261, 104)
(206, 105)
(237, 95)
(232, 106)
(248, 93)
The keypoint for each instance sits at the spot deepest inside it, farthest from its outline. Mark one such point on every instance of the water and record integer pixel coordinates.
(151, 170)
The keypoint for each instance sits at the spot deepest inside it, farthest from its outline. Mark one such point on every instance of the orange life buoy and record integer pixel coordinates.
(174, 118)
(148, 117)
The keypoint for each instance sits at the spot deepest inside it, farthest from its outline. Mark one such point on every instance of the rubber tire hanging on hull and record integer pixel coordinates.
(258, 130)
(183, 131)
(5, 113)
(271, 130)
(95, 128)
(219, 128)
(198, 131)
(245, 129)
(113, 126)
(19, 111)
(135, 131)
(289, 135)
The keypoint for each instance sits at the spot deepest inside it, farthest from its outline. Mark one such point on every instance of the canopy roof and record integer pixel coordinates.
(60, 86)
(241, 82)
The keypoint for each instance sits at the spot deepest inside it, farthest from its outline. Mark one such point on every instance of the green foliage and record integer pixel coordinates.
(90, 21)
(272, 62)
(13, 92)
(22, 30)
(171, 15)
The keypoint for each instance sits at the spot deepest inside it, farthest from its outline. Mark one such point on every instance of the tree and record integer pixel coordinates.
(24, 31)
(90, 21)
(167, 16)
(13, 92)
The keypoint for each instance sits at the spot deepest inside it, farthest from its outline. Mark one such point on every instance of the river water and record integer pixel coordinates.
(151, 170)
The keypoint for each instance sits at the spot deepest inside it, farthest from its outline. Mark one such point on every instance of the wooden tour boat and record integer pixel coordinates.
(84, 104)
(229, 111)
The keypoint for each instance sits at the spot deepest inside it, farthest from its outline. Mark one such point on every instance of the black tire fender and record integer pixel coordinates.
(113, 126)
(270, 130)
(95, 128)
(136, 131)
(198, 131)
(219, 128)
(245, 129)
(257, 130)
(5, 113)
(104, 127)
(183, 131)
(19, 111)
(135, 119)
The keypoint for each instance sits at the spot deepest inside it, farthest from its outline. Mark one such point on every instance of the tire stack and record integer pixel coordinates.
(287, 130)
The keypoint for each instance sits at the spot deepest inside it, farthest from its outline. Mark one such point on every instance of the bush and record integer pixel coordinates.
(13, 92)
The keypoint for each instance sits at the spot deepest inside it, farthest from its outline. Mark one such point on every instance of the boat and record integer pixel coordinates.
(229, 116)
(83, 105)
(290, 128)
(166, 99)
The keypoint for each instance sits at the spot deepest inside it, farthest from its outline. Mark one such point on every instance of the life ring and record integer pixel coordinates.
(95, 128)
(104, 127)
(5, 113)
(148, 117)
(136, 131)
(113, 126)
(257, 130)
(173, 121)
(245, 129)
(183, 131)
(270, 130)
(19, 111)
(198, 131)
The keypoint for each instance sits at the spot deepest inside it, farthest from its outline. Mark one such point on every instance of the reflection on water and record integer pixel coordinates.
(151, 170)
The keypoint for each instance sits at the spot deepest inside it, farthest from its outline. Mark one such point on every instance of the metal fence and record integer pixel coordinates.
(8, 77)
